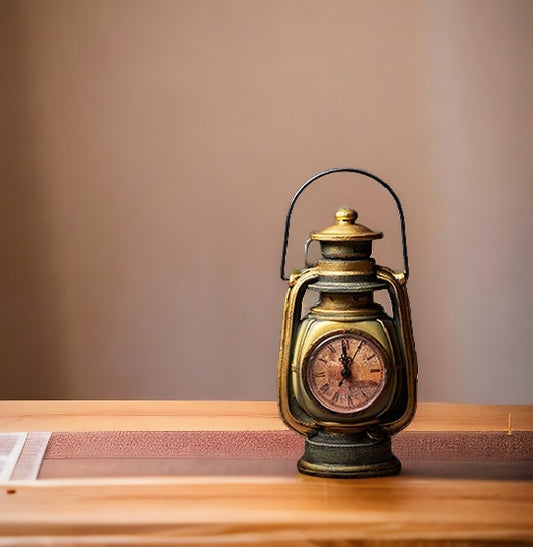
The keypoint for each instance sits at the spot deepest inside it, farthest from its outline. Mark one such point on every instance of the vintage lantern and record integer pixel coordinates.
(347, 371)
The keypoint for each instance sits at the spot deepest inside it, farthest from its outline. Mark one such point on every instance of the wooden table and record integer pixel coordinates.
(223, 473)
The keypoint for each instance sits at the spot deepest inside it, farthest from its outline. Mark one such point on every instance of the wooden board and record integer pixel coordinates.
(224, 415)
(467, 479)
(255, 511)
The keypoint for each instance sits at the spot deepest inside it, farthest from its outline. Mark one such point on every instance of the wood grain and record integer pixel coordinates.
(228, 415)
(431, 503)
(252, 511)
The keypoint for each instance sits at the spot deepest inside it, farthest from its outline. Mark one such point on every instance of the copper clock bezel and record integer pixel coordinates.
(325, 340)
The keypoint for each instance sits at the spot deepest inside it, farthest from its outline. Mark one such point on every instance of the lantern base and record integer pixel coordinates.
(337, 455)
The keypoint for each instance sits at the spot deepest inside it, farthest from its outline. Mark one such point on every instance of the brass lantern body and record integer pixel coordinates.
(347, 444)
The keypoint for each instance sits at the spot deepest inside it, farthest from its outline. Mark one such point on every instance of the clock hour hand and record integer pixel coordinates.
(345, 359)
(346, 362)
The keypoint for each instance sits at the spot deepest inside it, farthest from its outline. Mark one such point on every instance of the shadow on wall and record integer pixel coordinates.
(30, 334)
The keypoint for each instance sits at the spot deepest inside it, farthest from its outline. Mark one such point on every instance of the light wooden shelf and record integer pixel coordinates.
(432, 502)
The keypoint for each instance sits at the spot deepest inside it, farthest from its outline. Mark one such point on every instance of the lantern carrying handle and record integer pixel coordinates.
(343, 170)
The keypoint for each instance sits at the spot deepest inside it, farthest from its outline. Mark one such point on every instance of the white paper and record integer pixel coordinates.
(11, 445)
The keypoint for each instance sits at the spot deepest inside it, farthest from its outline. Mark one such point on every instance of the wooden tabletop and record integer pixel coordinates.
(477, 496)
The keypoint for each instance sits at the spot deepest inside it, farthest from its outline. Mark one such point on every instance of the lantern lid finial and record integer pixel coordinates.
(345, 215)
(346, 229)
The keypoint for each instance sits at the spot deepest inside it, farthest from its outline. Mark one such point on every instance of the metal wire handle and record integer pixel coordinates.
(343, 170)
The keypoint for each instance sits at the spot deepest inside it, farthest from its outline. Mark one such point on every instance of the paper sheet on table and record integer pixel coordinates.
(11, 445)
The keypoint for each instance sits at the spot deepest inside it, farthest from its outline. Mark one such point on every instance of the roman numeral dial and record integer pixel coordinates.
(346, 372)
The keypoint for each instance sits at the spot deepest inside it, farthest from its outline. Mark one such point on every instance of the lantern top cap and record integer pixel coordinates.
(345, 214)
(346, 229)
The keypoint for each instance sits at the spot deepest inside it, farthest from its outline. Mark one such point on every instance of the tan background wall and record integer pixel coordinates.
(149, 150)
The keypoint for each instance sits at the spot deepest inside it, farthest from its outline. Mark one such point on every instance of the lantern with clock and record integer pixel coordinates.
(347, 370)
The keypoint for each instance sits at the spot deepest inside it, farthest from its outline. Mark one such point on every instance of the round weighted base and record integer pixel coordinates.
(348, 456)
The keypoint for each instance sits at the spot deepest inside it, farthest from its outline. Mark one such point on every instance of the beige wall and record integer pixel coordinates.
(150, 149)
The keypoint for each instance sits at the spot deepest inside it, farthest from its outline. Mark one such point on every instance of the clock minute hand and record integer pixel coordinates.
(357, 351)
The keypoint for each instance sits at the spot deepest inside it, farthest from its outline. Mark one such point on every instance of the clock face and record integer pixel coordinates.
(346, 372)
